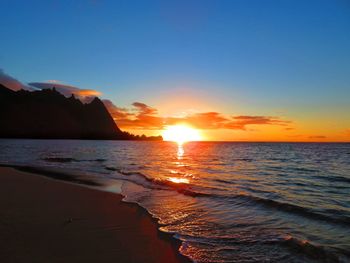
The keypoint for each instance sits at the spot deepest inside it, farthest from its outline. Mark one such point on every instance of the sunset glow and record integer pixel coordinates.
(223, 125)
(181, 134)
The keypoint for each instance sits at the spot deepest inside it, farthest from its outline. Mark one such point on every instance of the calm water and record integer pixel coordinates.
(227, 202)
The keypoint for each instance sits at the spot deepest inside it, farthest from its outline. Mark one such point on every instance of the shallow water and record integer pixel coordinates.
(227, 202)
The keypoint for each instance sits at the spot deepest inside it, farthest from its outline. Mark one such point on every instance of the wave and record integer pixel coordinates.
(333, 178)
(292, 169)
(290, 208)
(185, 189)
(69, 160)
(298, 246)
(303, 169)
(157, 183)
(316, 252)
(249, 160)
(57, 174)
(188, 190)
(225, 181)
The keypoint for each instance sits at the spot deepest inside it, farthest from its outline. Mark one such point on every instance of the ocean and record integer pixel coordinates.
(226, 201)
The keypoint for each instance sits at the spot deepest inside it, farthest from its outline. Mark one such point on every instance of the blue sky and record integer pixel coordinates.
(242, 56)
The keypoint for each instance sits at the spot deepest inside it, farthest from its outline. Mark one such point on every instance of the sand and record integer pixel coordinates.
(45, 220)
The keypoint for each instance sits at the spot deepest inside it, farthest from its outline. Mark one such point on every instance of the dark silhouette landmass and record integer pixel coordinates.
(47, 114)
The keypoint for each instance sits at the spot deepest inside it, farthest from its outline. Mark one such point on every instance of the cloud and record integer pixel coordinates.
(145, 117)
(240, 122)
(207, 120)
(116, 112)
(85, 95)
(317, 137)
(142, 116)
(11, 82)
(144, 109)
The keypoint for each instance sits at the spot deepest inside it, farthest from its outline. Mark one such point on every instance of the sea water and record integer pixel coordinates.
(226, 201)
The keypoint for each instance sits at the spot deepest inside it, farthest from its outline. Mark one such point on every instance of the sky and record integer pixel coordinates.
(234, 69)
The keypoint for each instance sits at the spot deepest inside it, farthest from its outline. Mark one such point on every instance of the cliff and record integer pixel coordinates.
(47, 114)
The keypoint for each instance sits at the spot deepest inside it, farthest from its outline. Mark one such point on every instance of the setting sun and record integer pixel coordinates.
(181, 134)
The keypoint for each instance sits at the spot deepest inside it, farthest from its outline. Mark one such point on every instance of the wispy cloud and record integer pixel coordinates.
(142, 116)
(85, 95)
(11, 82)
(240, 122)
(317, 137)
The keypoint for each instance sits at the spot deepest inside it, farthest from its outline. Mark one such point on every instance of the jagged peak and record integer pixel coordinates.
(73, 98)
(96, 101)
(5, 89)
(65, 118)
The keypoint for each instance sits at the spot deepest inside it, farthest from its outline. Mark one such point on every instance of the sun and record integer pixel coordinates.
(181, 134)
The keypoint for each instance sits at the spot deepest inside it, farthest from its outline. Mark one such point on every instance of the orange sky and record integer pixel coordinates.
(218, 121)
(217, 126)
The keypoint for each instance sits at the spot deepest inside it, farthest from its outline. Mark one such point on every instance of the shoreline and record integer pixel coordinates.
(54, 220)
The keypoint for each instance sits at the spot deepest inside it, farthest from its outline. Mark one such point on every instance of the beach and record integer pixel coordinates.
(45, 220)
(125, 201)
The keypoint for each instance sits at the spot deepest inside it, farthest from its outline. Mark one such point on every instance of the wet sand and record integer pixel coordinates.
(44, 220)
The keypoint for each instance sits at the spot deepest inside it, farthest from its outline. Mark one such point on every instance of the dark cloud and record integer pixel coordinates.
(116, 112)
(317, 137)
(144, 109)
(11, 82)
(141, 116)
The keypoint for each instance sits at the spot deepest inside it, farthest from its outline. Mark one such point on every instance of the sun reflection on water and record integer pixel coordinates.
(180, 151)
(178, 180)
(179, 164)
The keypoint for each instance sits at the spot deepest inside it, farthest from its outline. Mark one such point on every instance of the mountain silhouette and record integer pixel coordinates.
(47, 114)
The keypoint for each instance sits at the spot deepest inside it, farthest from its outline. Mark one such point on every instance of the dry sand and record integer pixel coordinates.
(44, 220)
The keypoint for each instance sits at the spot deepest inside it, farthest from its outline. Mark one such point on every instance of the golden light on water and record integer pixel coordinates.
(179, 154)
(181, 134)
(180, 151)
(177, 180)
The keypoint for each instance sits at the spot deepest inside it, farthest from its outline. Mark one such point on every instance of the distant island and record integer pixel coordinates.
(47, 114)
